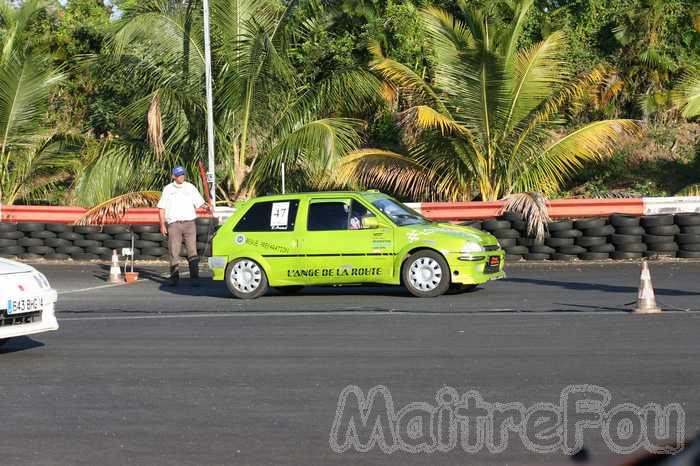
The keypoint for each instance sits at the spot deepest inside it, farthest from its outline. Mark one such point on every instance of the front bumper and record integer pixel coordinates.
(14, 326)
(474, 268)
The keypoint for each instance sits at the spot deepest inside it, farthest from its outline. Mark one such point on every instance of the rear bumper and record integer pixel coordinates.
(469, 269)
(46, 323)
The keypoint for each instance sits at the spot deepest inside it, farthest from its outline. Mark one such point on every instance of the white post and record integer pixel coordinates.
(282, 177)
(211, 176)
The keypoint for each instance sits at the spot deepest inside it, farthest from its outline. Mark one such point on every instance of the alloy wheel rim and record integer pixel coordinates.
(246, 276)
(425, 274)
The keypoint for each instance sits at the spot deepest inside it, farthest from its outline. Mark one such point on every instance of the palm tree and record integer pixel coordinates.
(687, 95)
(264, 115)
(488, 122)
(33, 157)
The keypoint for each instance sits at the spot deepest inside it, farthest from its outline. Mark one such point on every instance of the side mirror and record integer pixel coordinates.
(370, 222)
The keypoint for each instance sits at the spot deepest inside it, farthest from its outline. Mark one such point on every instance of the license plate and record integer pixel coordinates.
(24, 305)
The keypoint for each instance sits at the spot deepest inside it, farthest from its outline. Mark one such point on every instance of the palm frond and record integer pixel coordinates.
(690, 190)
(687, 95)
(113, 210)
(155, 125)
(532, 206)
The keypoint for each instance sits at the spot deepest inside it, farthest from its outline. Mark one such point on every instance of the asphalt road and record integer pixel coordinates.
(143, 374)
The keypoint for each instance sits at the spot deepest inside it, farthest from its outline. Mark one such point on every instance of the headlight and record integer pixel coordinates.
(471, 247)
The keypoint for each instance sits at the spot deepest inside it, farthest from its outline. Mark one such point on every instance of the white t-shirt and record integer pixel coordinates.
(180, 201)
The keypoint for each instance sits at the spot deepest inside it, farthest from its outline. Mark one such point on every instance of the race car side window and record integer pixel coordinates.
(328, 215)
(269, 216)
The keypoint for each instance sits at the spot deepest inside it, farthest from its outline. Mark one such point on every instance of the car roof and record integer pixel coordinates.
(318, 194)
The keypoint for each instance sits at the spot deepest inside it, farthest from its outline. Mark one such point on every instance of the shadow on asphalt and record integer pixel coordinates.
(17, 344)
(580, 286)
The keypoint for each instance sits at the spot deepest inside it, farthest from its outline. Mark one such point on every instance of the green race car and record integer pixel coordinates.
(330, 238)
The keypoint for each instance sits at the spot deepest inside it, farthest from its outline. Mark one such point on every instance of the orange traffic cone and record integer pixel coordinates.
(646, 301)
(115, 272)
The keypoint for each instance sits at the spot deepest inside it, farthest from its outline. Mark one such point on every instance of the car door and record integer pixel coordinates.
(344, 241)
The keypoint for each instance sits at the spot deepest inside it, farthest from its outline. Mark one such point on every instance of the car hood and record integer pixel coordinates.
(8, 267)
(448, 232)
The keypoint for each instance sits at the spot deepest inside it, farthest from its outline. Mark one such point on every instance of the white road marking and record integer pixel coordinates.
(98, 287)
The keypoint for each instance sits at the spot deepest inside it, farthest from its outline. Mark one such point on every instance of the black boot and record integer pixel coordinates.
(193, 262)
(174, 276)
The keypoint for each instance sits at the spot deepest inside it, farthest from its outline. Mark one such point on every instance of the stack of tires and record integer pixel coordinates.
(564, 239)
(628, 237)
(507, 229)
(689, 235)
(55, 241)
(660, 235)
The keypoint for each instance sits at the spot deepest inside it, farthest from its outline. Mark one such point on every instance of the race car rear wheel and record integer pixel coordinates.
(426, 274)
(246, 279)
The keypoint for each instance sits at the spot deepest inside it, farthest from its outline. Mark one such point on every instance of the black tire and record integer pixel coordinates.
(688, 239)
(87, 243)
(28, 242)
(512, 217)
(602, 248)
(529, 242)
(125, 237)
(564, 257)
(663, 247)
(559, 242)
(690, 246)
(475, 225)
(40, 250)
(55, 256)
(84, 256)
(631, 247)
(567, 234)
(71, 236)
(622, 255)
(203, 230)
(438, 266)
(588, 223)
(70, 250)
(100, 251)
(257, 270)
(11, 234)
(561, 225)
(594, 256)
(116, 229)
(11, 250)
(653, 239)
(636, 231)
(86, 229)
(6, 226)
(28, 227)
(513, 258)
(507, 233)
(115, 244)
(625, 239)
(290, 289)
(624, 220)
(533, 256)
(694, 230)
(153, 237)
(57, 242)
(58, 227)
(571, 250)
(493, 224)
(520, 226)
(142, 244)
(687, 219)
(689, 254)
(28, 256)
(664, 230)
(507, 242)
(517, 250)
(542, 249)
(606, 230)
(656, 220)
(8, 242)
(146, 229)
(204, 220)
(98, 237)
(588, 241)
(43, 234)
(659, 254)
(157, 252)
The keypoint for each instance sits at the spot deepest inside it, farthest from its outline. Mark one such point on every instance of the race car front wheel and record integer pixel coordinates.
(426, 274)
(246, 279)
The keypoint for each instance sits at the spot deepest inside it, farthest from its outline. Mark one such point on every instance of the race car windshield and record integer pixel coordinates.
(399, 213)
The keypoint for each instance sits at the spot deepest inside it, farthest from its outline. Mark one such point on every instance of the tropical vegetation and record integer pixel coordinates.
(426, 99)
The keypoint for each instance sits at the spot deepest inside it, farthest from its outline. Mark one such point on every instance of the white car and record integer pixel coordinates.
(26, 301)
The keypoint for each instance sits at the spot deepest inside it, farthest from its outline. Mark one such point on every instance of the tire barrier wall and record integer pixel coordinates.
(59, 241)
(618, 237)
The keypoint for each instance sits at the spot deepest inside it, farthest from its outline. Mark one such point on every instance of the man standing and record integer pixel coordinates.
(176, 210)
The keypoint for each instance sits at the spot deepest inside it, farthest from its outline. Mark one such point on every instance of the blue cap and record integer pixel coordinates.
(178, 171)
